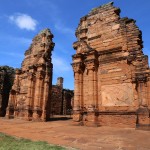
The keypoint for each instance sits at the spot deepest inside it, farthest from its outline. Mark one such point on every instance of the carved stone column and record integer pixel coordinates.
(29, 96)
(141, 80)
(91, 66)
(37, 110)
(46, 96)
(143, 112)
(12, 109)
(78, 71)
(148, 92)
(12, 105)
(81, 89)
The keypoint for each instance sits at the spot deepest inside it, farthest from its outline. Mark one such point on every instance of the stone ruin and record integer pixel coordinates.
(30, 94)
(6, 80)
(61, 100)
(112, 76)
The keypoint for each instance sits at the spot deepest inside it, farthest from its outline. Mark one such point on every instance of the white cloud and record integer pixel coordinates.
(23, 21)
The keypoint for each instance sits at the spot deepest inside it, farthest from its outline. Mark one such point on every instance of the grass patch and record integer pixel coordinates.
(12, 143)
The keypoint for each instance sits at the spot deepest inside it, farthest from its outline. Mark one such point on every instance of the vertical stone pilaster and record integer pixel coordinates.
(37, 110)
(142, 90)
(148, 92)
(91, 66)
(78, 91)
(81, 89)
(12, 109)
(45, 99)
(142, 93)
(91, 103)
(95, 89)
(30, 95)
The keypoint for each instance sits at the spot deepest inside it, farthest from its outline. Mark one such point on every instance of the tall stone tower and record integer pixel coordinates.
(30, 94)
(112, 76)
(60, 81)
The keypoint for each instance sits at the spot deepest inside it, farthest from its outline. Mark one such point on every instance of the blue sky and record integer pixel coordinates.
(21, 20)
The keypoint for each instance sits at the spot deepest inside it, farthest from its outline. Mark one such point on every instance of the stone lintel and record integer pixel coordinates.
(110, 51)
(76, 56)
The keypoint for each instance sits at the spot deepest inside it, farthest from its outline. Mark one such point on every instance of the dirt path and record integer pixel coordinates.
(83, 138)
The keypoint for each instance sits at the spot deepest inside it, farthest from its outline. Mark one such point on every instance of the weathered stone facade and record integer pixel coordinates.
(112, 76)
(30, 94)
(6, 81)
(61, 100)
(67, 101)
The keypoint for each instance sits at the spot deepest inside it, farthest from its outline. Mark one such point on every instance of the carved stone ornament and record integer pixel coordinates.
(78, 67)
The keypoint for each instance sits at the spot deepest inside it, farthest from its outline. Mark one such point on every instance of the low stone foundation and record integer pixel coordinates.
(118, 120)
(106, 119)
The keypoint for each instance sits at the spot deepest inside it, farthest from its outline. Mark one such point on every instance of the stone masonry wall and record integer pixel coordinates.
(56, 103)
(6, 80)
(111, 72)
(30, 95)
(61, 100)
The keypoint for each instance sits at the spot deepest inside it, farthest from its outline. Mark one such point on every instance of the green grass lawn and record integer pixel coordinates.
(12, 143)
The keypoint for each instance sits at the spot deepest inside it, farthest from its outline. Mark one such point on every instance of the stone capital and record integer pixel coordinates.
(91, 64)
(31, 75)
(148, 79)
(78, 67)
(40, 75)
(141, 77)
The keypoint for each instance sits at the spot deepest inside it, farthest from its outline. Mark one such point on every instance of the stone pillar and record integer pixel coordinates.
(92, 87)
(29, 97)
(91, 103)
(45, 112)
(12, 109)
(91, 66)
(95, 89)
(143, 111)
(81, 90)
(148, 92)
(78, 70)
(142, 93)
(37, 109)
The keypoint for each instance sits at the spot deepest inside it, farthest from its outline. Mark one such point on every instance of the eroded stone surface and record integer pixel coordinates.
(30, 94)
(111, 72)
(61, 101)
(6, 80)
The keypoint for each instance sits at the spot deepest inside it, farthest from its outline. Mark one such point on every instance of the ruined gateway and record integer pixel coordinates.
(112, 76)
(30, 94)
